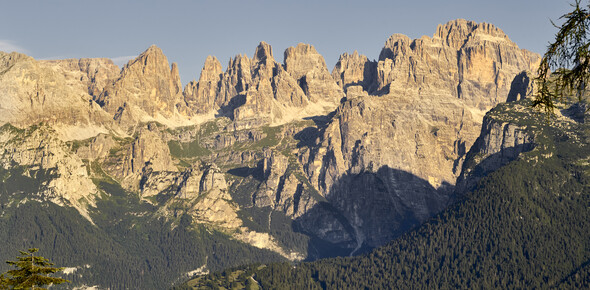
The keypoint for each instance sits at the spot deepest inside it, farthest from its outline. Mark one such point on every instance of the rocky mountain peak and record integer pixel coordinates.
(147, 83)
(263, 62)
(153, 55)
(308, 68)
(211, 69)
(8, 59)
(303, 58)
(263, 52)
(200, 96)
(353, 69)
(454, 33)
(395, 44)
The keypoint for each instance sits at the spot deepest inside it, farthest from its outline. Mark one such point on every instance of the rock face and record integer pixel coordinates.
(464, 59)
(498, 143)
(48, 168)
(33, 92)
(98, 148)
(210, 188)
(309, 69)
(521, 87)
(405, 147)
(146, 156)
(147, 84)
(260, 90)
(96, 73)
(200, 96)
(280, 188)
(354, 70)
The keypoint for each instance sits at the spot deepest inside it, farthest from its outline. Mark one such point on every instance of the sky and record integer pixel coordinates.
(190, 30)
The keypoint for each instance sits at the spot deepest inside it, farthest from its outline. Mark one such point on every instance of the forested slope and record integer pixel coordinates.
(125, 248)
(524, 225)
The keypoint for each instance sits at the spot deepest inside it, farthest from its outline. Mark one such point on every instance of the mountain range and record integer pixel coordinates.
(127, 178)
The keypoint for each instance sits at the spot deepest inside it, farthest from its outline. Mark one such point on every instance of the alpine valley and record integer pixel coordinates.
(131, 181)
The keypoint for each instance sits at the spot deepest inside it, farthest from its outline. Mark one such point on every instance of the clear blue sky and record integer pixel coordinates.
(189, 30)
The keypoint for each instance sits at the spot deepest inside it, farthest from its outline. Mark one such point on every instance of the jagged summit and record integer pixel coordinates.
(200, 96)
(354, 70)
(147, 84)
(151, 52)
(259, 90)
(455, 32)
(263, 52)
(301, 59)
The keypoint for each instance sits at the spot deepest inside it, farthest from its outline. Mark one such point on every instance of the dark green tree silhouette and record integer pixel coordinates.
(31, 272)
(3, 282)
(569, 57)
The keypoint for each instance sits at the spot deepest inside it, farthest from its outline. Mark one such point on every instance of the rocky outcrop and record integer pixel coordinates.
(280, 188)
(273, 167)
(146, 85)
(354, 70)
(309, 69)
(203, 194)
(404, 148)
(224, 140)
(259, 91)
(498, 143)
(95, 73)
(138, 163)
(34, 161)
(200, 96)
(521, 87)
(98, 148)
(33, 92)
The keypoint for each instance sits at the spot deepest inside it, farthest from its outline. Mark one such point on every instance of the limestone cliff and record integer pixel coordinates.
(354, 70)
(200, 96)
(463, 59)
(146, 85)
(308, 67)
(144, 159)
(96, 73)
(259, 91)
(404, 147)
(501, 140)
(280, 188)
(34, 161)
(38, 91)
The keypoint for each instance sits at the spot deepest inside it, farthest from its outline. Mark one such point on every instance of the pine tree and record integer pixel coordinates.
(32, 271)
(3, 282)
(569, 57)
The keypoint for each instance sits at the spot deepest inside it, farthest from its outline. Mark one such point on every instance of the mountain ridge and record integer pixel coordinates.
(281, 156)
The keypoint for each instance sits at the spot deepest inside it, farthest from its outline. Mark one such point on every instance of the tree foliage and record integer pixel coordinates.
(569, 57)
(31, 271)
